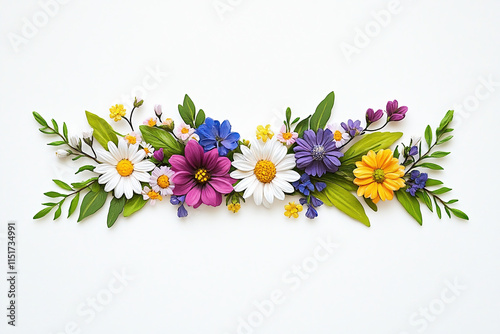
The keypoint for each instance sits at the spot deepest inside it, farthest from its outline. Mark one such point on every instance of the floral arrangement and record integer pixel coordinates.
(203, 161)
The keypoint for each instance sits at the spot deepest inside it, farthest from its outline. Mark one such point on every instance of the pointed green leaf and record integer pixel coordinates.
(410, 203)
(57, 143)
(63, 185)
(459, 214)
(103, 132)
(323, 112)
(447, 211)
(295, 120)
(373, 141)
(43, 213)
(430, 166)
(433, 182)
(86, 167)
(288, 115)
(57, 214)
(189, 105)
(444, 140)
(428, 136)
(438, 154)
(53, 194)
(159, 138)
(424, 197)
(55, 126)
(65, 130)
(446, 120)
(200, 118)
(82, 184)
(74, 204)
(302, 126)
(91, 203)
(133, 205)
(441, 191)
(115, 209)
(370, 203)
(438, 209)
(345, 201)
(39, 119)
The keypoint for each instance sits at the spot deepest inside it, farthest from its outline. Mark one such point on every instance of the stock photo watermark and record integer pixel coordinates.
(88, 310)
(151, 81)
(421, 319)
(372, 29)
(12, 275)
(484, 89)
(222, 7)
(293, 278)
(31, 26)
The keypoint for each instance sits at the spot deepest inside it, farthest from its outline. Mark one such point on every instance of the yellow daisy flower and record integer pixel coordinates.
(264, 133)
(379, 175)
(292, 210)
(117, 112)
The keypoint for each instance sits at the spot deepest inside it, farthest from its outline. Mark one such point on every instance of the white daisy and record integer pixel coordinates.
(265, 170)
(151, 195)
(161, 180)
(148, 149)
(340, 136)
(184, 131)
(133, 138)
(123, 169)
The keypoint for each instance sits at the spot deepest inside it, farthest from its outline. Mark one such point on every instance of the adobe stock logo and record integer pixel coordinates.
(372, 29)
(30, 27)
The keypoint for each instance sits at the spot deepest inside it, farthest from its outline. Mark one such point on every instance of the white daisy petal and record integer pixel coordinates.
(266, 204)
(268, 193)
(127, 187)
(251, 188)
(106, 157)
(123, 148)
(106, 177)
(258, 193)
(277, 153)
(142, 176)
(115, 151)
(119, 188)
(112, 183)
(238, 174)
(283, 185)
(136, 185)
(245, 183)
(144, 166)
(138, 156)
(287, 163)
(288, 175)
(278, 193)
(244, 166)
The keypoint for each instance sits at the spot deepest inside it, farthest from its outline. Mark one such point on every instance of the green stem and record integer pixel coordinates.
(76, 149)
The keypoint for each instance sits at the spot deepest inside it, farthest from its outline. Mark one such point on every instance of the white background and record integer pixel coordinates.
(246, 64)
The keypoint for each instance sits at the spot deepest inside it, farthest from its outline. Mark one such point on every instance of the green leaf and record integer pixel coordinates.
(441, 191)
(133, 205)
(159, 138)
(288, 115)
(200, 118)
(65, 130)
(295, 120)
(438, 154)
(345, 201)
(444, 140)
(424, 197)
(373, 141)
(82, 184)
(42, 213)
(91, 203)
(428, 135)
(189, 105)
(446, 120)
(459, 214)
(410, 203)
(74, 204)
(302, 126)
(438, 209)
(396, 153)
(370, 203)
(39, 119)
(57, 143)
(47, 131)
(53, 194)
(78, 157)
(433, 182)
(55, 126)
(49, 204)
(323, 112)
(452, 201)
(447, 211)
(86, 167)
(338, 179)
(57, 214)
(115, 209)
(103, 132)
(430, 166)
(63, 185)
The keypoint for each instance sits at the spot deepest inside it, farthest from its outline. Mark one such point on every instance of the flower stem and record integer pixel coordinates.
(76, 149)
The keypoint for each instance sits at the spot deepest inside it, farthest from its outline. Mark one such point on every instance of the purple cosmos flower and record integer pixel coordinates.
(413, 151)
(395, 113)
(352, 127)
(417, 181)
(373, 116)
(158, 154)
(215, 135)
(201, 176)
(316, 153)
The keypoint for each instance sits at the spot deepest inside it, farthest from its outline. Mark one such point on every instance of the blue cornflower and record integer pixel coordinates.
(215, 135)
(417, 181)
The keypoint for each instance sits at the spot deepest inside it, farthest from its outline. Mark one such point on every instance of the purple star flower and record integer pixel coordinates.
(316, 153)
(373, 116)
(395, 113)
(352, 127)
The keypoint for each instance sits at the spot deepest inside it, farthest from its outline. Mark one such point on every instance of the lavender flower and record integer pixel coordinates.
(395, 113)
(316, 153)
(352, 127)
(413, 151)
(417, 181)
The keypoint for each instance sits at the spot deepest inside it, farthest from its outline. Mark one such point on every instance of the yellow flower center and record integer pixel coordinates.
(379, 175)
(265, 171)
(163, 181)
(131, 139)
(154, 195)
(287, 135)
(184, 130)
(147, 150)
(151, 122)
(202, 175)
(337, 135)
(125, 167)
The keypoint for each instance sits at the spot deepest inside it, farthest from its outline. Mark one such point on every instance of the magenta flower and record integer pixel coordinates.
(373, 116)
(201, 176)
(395, 113)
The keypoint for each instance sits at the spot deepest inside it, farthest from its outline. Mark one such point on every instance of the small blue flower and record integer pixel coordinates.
(181, 211)
(320, 186)
(417, 181)
(316, 202)
(176, 200)
(311, 212)
(352, 127)
(413, 151)
(215, 135)
(304, 185)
